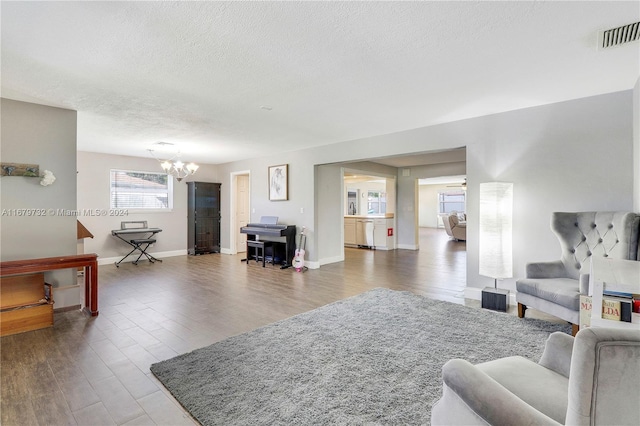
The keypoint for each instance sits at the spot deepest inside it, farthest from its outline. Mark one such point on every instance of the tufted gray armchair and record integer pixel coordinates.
(591, 379)
(555, 287)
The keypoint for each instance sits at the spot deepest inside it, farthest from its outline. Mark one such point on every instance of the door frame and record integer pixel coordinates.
(233, 226)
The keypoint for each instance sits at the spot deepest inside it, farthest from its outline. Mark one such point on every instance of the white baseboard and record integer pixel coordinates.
(224, 250)
(408, 246)
(159, 255)
(473, 293)
(328, 260)
(312, 265)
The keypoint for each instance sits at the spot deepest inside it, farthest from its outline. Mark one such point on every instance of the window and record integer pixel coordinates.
(452, 201)
(377, 202)
(141, 190)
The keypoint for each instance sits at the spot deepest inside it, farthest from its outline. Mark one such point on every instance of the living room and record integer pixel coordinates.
(601, 145)
(571, 142)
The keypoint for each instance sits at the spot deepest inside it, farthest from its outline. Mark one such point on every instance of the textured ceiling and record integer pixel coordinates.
(225, 81)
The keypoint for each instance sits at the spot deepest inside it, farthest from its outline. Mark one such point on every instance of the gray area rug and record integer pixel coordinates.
(375, 358)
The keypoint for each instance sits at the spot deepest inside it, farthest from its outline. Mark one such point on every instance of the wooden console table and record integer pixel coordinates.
(87, 261)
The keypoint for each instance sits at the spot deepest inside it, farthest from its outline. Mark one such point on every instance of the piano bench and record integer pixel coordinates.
(258, 251)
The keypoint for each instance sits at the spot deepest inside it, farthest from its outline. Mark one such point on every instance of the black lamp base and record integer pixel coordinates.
(496, 299)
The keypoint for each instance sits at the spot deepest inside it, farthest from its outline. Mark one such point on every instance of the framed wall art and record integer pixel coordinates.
(279, 183)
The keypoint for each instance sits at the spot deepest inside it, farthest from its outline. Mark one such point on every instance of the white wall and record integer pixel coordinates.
(429, 204)
(37, 134)
(94, 193)
(297, 210)
(570, 156)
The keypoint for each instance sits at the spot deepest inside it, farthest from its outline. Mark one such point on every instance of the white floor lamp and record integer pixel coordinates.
(495, 254)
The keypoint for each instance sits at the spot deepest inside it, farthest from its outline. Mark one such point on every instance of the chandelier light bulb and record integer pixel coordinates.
(175, 167)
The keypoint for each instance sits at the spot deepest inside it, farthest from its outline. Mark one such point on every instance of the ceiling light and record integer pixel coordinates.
(177, 168)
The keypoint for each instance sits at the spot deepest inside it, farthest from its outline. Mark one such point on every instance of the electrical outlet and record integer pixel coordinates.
(301, 209)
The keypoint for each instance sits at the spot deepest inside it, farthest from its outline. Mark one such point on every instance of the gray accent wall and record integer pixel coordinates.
(329, 189)
(38, 134)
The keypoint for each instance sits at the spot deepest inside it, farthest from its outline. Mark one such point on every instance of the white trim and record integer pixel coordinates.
(408, 246)
(325, 261)
(159, 255)
(473, 293)
(233, 188)
(224, 250)
(312, 265)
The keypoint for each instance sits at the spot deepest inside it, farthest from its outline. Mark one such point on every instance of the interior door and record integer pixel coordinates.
(242, 210)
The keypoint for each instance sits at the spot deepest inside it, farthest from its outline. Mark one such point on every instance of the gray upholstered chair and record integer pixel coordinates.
(555, 287)
(455, 227)
(593, 379)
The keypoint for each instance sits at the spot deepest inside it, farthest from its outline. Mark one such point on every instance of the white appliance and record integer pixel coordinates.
(364, 230)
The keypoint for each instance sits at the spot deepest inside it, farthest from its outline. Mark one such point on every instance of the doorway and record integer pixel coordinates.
(240, 209)
(368, 210)
(438, 196)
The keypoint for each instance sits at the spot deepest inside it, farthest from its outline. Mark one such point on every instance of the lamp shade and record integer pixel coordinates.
(496, 224)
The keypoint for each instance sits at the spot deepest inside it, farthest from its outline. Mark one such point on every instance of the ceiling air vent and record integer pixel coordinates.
(619, 36)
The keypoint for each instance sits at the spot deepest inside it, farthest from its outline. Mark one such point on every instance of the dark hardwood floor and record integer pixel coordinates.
(95, 371)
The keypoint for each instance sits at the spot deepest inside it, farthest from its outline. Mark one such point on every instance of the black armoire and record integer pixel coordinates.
(203, 218)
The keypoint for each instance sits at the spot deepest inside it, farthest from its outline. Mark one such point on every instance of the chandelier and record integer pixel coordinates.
(178, 169)
(175, 167)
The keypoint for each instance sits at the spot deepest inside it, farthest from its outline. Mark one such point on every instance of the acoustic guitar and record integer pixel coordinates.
(298, 259)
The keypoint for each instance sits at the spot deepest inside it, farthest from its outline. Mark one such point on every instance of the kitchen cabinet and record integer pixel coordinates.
(381, 238)
(369, 231)
(350, 231)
